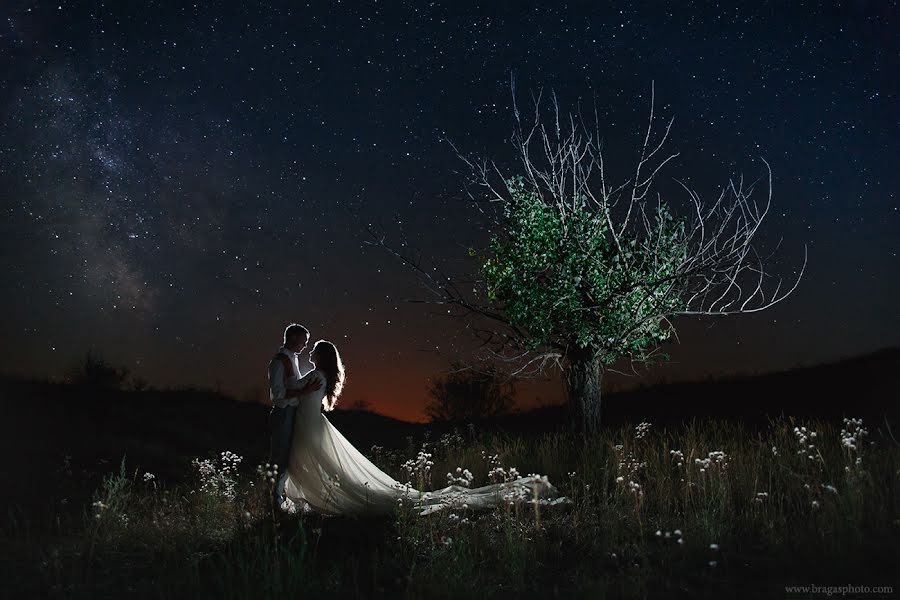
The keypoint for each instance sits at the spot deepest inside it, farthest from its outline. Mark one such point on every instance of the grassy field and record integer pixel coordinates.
(705, 509)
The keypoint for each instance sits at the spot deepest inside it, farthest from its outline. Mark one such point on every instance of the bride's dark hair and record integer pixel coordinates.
(329, 362)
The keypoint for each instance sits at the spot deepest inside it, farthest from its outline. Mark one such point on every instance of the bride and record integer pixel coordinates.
(327, 474)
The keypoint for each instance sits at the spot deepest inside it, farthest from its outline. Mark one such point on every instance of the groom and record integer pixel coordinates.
(283, 367)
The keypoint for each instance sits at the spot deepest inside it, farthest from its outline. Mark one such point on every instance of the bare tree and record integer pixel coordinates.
(581, 272)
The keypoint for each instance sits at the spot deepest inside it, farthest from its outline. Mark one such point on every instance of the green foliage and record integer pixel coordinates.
(557, 274)
(111, 501)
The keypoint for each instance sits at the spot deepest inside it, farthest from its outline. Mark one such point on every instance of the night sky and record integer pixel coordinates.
(178, 181)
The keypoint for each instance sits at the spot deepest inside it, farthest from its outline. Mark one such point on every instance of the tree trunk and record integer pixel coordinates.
(582, 377)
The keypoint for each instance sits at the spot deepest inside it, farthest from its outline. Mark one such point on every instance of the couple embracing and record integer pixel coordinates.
(292, 379)
(319, 470)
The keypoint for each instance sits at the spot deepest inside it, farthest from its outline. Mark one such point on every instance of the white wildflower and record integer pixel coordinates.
(219, 479)
(716, 459)
(420, 467)
(463, 477)
(641, 431)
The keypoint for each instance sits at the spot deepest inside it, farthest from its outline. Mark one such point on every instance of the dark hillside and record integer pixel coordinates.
(162, 431)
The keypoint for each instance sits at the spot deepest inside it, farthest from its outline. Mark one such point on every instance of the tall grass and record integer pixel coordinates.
(700, 508)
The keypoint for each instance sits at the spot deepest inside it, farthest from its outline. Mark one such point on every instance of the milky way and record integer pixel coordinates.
(180, 182)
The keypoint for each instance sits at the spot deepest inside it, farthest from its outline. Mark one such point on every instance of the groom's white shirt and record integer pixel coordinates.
(278, 379)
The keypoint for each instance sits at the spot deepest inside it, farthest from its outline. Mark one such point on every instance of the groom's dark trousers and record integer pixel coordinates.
(281, 428)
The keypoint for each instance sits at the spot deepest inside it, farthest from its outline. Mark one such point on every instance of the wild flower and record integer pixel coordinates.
(716, 459)
(206, 468)
(406, 488)
(628, 465)
(219, 479)
(669, 535)
(815, 504)
(267, 472)
(500, 475)
(713, 564)
(714, 547)
(496, 472)
(453, 501)
(99, 508)
(515, 494)
(420, 467)
(760, 497)
(802, 435)
(774, 451)
(149, 477)
(289, 506)
(853, 440)
(804, 440)
(677, 456)
(641, 430)
(852, 434)
(462, 477)
(493, 460)
(451, 441)
(230, 461)
(635, 488)
(829, 488)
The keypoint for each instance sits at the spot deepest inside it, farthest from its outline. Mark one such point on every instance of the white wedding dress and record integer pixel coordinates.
(326, 474)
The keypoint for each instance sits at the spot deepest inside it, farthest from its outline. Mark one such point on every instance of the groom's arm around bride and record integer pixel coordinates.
(282, 368)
